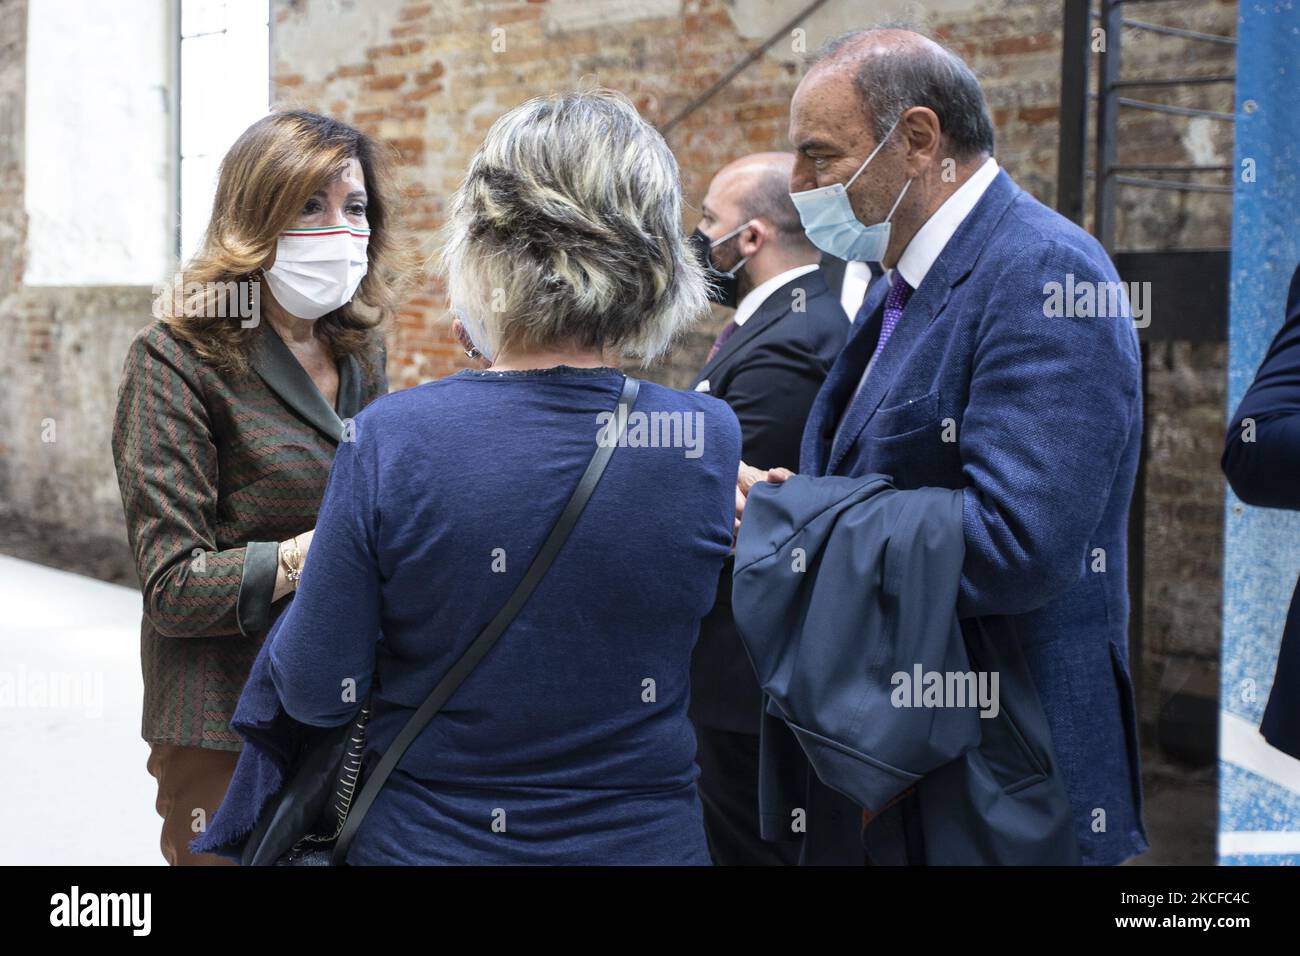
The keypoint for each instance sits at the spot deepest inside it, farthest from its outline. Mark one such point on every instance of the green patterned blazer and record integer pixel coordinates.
(215, 469)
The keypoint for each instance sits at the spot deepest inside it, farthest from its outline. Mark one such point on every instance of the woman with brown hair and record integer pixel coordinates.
(229, 413)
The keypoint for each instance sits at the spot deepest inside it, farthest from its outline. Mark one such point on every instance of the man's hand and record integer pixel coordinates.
(745, 480)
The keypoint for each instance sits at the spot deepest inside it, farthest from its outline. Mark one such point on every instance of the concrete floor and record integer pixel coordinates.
(77, 791)
(1180, 810)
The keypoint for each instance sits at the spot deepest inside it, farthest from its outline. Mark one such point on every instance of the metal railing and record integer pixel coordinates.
(1109, 172)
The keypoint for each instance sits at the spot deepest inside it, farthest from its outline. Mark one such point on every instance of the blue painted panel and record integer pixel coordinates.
(1261, 547)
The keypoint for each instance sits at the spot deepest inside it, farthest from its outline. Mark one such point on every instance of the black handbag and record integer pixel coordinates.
(313, 815)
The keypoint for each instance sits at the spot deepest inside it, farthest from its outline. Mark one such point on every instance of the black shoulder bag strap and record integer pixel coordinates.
(609, 440)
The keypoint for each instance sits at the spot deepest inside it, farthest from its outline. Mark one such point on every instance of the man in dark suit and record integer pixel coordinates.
(1261, 459)
(966, 369)
(849, 281)
(767, 364)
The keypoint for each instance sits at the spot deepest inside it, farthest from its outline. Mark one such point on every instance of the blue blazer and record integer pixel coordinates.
(1037, 418)
(1264, 473)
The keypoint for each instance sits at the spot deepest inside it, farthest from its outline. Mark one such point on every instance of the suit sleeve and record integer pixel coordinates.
(771, 393)
(322, 649)
(166, 461)
(1261, 455)
(1053, 404)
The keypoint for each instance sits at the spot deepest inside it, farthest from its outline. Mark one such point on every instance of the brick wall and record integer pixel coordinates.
(438, 74)
(1187, 388)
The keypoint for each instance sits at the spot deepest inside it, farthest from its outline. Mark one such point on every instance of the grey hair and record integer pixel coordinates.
(892, 81)
(567, 228)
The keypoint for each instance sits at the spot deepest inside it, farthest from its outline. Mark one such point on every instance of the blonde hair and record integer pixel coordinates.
(264, 181)
(567, 228)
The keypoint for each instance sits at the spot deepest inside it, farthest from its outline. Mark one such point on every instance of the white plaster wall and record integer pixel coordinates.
(99, 194)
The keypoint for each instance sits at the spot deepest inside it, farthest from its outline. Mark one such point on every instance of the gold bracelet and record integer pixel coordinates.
(295, 561)
(284, 559)
(291, 558)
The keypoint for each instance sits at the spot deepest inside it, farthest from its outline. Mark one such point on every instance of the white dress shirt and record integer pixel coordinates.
(934, 235)
(857, 277)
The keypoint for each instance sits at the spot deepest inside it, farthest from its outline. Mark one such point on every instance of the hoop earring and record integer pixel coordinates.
(254, 279)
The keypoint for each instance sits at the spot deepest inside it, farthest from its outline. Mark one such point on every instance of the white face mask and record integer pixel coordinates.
(318, 269)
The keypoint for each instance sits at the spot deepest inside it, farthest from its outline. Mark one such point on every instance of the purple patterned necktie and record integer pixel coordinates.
(895, 302)
(725, 334)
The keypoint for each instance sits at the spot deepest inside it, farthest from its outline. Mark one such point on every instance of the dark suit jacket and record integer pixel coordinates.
(769, 372)
(1266, 473)
(215, 469)
(833, 273)
(1037, 418)
(844, 586)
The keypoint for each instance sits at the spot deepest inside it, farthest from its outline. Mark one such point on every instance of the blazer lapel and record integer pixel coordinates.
(285, 376)
(774, 307)
(919, 313)
(840, 382)
(952, 266)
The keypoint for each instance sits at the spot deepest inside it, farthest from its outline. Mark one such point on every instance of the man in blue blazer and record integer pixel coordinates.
(997, 356)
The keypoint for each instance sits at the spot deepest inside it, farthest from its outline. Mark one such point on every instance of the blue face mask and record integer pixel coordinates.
(829, 222)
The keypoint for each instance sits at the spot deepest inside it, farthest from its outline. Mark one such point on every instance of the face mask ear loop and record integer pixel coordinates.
(714, 243)
(898, 200)
(879, 147)
(735, 232)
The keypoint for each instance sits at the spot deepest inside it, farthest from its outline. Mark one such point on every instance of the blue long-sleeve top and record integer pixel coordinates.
(570, 742)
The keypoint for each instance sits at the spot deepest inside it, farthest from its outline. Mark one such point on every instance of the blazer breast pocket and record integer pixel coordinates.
(906, 417)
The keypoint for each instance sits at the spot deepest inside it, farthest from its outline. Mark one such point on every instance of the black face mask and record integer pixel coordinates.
(722, 285)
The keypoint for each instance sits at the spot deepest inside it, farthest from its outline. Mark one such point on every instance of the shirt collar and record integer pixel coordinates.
(756, 296)
(935, 233)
